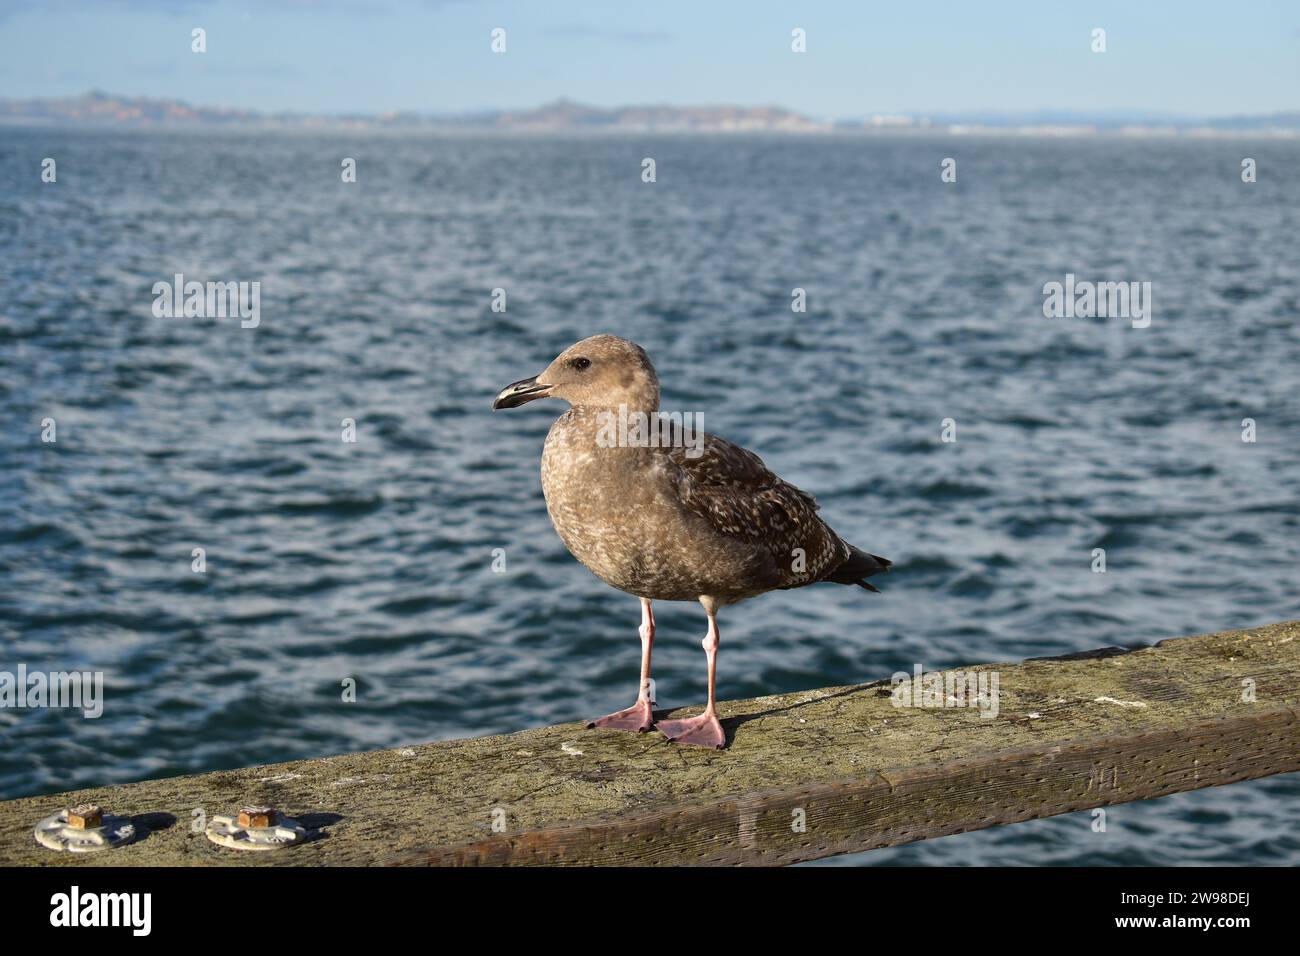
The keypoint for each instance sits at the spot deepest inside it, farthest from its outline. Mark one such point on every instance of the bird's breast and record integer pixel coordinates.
(610, 508)
(619, 511)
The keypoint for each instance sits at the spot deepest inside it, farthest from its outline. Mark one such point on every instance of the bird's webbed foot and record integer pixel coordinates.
(702, 731)
(637, 717)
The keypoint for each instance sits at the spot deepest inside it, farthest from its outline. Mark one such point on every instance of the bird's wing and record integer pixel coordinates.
(730, 488)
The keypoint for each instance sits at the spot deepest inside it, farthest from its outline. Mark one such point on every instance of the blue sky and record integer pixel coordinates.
(327, 56)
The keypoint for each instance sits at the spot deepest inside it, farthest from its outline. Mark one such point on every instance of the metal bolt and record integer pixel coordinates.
(258, 817)
(256, 828)
(85, 816)
(85, 828)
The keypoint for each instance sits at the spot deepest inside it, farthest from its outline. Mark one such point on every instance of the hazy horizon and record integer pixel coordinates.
(1043, 114)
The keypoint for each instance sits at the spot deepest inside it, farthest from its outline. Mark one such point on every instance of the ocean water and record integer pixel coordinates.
(373, 560)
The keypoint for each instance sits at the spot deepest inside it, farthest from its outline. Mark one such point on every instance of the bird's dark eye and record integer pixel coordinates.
(581, 364)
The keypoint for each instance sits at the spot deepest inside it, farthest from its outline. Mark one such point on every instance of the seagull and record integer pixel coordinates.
(669, 513)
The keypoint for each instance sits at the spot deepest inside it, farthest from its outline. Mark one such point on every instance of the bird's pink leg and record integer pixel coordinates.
(704, 730)
(638, 716)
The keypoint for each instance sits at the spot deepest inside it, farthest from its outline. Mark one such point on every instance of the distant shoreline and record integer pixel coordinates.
(476, 132)
(101, 110)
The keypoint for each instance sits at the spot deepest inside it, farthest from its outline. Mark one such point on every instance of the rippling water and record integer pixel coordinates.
(372, 560)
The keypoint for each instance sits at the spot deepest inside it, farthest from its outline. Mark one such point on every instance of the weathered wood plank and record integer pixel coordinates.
(1071, 733)
(909, 804)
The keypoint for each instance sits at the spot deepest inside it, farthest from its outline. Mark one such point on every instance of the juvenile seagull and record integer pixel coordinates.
(692, 519)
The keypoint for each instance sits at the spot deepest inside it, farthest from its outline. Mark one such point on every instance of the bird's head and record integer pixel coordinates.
(603, 371)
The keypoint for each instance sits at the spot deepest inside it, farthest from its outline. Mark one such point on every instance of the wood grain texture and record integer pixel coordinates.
(1071, 734)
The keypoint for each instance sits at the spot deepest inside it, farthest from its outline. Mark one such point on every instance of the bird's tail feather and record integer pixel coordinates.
(857, 566)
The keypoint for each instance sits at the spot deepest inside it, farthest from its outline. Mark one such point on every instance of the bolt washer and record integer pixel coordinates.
(56, 833)
(227, 831)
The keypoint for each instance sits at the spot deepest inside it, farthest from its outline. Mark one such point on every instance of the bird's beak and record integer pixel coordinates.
(525, 390)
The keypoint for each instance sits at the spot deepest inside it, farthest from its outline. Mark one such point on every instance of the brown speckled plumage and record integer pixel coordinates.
(661, 525)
